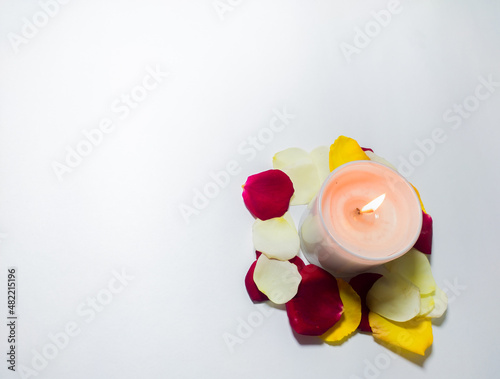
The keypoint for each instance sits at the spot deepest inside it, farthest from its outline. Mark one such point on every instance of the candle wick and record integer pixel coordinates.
(359, 211)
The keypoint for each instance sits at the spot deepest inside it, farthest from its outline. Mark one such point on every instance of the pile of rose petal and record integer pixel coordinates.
(396, 307)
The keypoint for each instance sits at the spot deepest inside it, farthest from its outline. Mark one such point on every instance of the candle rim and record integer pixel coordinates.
(342, 245)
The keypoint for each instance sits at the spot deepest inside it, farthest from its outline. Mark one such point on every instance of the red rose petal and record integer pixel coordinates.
(367, 149)
(362, 284)
(267, 194)
(298, 262)
(424, 242)
(317, 305)
(255, 294)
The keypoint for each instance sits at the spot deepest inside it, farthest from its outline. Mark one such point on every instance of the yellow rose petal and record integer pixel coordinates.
(351, 315)
(414, 335)
(419, 198)
(344, 150)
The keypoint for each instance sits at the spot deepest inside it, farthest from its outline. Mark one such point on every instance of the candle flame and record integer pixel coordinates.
(373, 205)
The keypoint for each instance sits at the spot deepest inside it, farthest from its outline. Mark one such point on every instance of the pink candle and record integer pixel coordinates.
(365, 214)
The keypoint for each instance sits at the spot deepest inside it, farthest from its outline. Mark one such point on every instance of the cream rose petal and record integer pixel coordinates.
(279, 280)
(426, 304)
(394, 297)
(415, 267)
(299, 166)
(320, 159)
(440, 304)
(374, 157)
(276, 238)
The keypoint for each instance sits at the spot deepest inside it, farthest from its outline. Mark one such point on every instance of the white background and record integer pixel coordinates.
(119, 208)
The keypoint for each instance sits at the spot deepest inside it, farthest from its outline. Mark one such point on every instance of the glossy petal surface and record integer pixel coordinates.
(416, 268)
(299, 166)
(351, 316)
(426, 304)
(344, 150)
(276, 238)
(414, 335)
(278, 280)
(424, 242)
(361, 284)
(394, 297)
(267, 194)
(440, 304)
(321, 161)
(255, 294)
(317, 305)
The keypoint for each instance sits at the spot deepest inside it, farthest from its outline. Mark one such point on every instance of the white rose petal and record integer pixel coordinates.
(276, 238)
(415, 267)
(394, 298)
(279, 280)
(374, 157)
(299, 166)
(320, 157)
(440, 304)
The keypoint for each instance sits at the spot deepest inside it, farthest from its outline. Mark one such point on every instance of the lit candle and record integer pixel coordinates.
(365, 214)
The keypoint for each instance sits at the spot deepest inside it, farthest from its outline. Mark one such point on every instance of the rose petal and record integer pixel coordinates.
(414, 335)
(394, 297)
(414, 267)
(362, 284)
(279, 280)
(424, 241)
(276, 238)
(267, 194)
(321, 161)
(440, 304)
(298, 262)
(344, 150)
(253, 291)
(365, 149)
(426, 304)
(351, 315)
(375, 158)
(299, 166)
(419, 198)
(317, 305)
